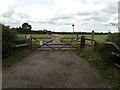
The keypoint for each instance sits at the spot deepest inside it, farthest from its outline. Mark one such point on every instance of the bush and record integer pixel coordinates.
(106, 50)
(8, 36)
(114, 38)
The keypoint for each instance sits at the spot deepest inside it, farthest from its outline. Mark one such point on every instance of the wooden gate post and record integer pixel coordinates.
(95, 45)
(29, 40)
(82, 41)
(77, 37)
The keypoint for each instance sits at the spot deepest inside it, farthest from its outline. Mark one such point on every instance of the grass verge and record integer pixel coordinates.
(23, 52)
(110, 74)
(17, 56)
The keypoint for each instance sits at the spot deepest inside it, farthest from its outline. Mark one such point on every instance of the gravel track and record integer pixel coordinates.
(52, 69)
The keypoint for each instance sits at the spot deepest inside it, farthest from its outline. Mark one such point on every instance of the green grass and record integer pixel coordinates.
(96, 37)
(66, 36)
(109, 74)
(21, 53)
(17, 56)
(37, 36)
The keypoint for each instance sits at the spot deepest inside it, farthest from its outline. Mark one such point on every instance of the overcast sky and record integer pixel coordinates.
(59, 15)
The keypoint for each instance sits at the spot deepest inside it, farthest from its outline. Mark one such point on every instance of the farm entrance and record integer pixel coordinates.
(55, 43)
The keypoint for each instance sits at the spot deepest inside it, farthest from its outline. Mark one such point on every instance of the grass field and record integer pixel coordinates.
(96, 37)
(37, 36)
(18, 55)
(109, 74)
(66, 36)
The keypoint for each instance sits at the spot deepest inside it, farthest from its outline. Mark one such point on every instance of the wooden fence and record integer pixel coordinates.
(116, 54)
(27, 42)
(87, 42)
(94, 44)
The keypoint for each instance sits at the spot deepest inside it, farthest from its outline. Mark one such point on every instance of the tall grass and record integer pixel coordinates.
(110, 73)
(18, 55)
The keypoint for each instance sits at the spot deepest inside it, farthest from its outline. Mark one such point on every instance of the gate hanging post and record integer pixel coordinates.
(77, 37)
(95, 45)
(28, 40)
(82, 41)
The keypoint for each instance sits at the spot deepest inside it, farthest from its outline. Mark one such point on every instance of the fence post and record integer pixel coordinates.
(82, 41)
(77, 37)
(29, 40)
(95, 45)
(92, 37)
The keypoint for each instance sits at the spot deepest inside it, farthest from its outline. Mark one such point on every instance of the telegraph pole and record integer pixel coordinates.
(73, 30)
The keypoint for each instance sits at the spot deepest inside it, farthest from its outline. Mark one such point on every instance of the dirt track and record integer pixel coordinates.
(52, 69)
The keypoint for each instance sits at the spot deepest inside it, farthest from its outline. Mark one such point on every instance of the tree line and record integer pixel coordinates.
(27, 29)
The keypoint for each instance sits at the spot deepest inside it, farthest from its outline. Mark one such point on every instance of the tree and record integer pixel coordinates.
(26, 27)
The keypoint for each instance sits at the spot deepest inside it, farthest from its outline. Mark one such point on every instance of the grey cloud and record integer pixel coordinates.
(43, 21)
(66, 17)
(98, 18)
(55, 22)
(64, 20)
(23, 15)
(104, 15)
(8, 13)
(110, 8)
(62, 17)
(11, 22)
(51, 22)
(87, 13)
(59, 19)
(68, 23)
(9, 18)
(83, 13)
(34, 3)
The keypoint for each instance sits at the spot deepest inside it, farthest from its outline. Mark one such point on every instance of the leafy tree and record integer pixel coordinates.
(26, 27)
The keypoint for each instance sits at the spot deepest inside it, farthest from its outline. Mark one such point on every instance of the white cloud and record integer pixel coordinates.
(59, 15)
(6, 8)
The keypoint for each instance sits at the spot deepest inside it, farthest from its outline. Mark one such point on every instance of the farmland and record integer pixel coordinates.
(108, 73)
(67, 36)
(96, 37)
(37, 36)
